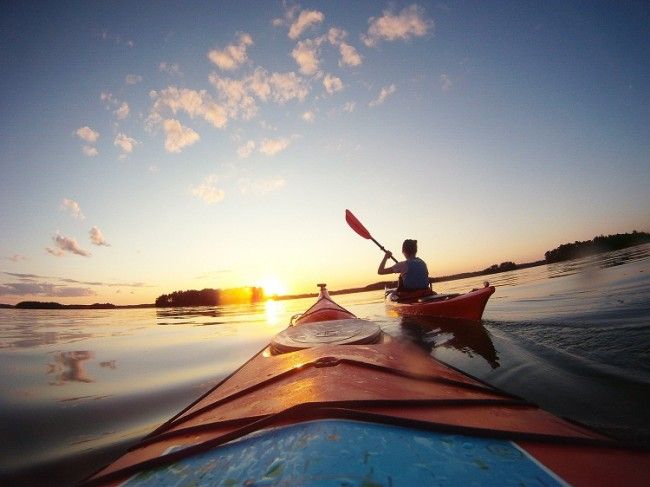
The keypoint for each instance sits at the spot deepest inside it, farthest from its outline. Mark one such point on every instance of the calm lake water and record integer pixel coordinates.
(79, 386)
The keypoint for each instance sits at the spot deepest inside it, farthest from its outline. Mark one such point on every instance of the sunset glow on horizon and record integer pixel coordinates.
(153, 148)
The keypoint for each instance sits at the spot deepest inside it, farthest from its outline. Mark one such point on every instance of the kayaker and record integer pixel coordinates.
(413, 272)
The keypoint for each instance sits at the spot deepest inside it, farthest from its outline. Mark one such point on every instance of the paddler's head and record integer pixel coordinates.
(410, 248)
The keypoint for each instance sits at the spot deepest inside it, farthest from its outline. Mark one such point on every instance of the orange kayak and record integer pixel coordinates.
(468, 306)
(338, 402)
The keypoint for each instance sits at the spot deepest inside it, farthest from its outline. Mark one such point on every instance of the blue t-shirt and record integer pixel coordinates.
(414, 273)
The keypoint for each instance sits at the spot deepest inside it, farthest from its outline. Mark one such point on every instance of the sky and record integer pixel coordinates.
(148, 147)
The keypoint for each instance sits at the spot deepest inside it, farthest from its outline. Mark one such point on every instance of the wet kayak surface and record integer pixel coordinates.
(78, 386)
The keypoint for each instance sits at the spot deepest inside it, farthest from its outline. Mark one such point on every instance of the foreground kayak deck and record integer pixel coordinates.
(468, 306)
(382, 413)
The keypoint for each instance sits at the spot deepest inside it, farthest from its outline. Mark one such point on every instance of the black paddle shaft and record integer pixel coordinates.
(382, 248)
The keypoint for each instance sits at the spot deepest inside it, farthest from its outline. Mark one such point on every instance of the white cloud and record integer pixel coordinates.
(386, 91)
(445, 82)
(108, 99)
(349, 106)
(306, 19)
(410, 22)
(73, 208)
(208, 191)
(332, 84)
(234, 94)
(308, 116)
(173, 69)
(125, 142)
(287, 86)
(66, 244)
(194, 103)
(97, 238)
(260, 187)
(306, 54)
(123, 111)
(133, 79)
(246, 150)
(349, 55)
(87, 134)
(43, 289)
(233, 55)
(271, 147)
(177, 136)
(89, 151)
(16, 257)
(239, 96)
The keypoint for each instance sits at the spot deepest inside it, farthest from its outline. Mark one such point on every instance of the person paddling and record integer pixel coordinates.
(413, 272)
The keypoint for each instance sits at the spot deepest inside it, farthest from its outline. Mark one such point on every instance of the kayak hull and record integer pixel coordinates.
(378, 413)
(468, 306)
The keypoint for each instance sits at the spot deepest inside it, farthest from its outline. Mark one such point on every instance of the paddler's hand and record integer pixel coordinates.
(387, 254)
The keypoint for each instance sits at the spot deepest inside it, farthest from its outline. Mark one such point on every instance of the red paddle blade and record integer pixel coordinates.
(356, 225)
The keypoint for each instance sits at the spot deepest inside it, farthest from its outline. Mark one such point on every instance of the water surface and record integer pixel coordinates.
(79, 386)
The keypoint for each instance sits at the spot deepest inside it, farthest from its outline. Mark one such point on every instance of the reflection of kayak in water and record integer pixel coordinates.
(468, 306)
(469, 338)
(334, 401)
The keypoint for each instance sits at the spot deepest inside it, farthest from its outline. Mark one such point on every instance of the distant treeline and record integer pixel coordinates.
(51, 305)
(210, 297)
(596, 246)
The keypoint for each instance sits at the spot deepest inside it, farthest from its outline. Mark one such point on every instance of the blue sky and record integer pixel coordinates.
(172, 145)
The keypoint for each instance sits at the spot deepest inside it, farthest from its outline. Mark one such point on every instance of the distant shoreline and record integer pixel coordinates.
(564, 252)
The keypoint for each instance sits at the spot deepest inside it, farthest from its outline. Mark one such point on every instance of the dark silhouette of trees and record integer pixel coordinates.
(502, 267)
(210, 297)
(598, 245)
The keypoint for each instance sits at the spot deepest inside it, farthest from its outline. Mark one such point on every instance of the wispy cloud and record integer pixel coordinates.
(208, 190)
(239, 97)
(125, 143)
(305, 20)
(15, 257)
(43, 289)
(89, 151)
(177, 136)
(349, 54)
(73, 208)
(36, 278)
(270, 147)
(308, 116)
(87, 134)
(173, 69)
(244, 151)
(235, 96)
(232, 56)
(332, 84)
(97, 237)
(410, 22)
(260, 187)
(195, 103)
(306, 54)
(385, 92)
(445, 83)
(349, 106)
(123, 111)
(133, 79)
(65, 244)
(117, 39)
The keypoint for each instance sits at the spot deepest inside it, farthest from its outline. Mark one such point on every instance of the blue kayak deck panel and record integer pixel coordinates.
(351, 453)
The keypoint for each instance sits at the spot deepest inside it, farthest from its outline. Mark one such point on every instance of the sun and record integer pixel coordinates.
(272, 286)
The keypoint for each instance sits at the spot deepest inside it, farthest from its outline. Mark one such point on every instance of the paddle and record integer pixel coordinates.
(358, 227)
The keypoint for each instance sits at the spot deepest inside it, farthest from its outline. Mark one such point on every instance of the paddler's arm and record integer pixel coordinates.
(382, 265)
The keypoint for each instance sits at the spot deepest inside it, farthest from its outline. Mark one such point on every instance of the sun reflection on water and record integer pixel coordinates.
(275, 312)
